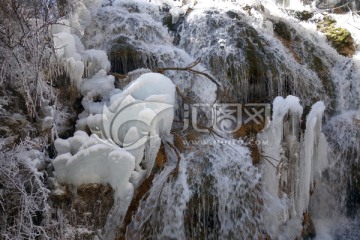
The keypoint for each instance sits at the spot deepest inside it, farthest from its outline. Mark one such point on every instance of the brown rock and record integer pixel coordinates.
(161, 157)
(308, 230)
(179, 142)
(249, 131)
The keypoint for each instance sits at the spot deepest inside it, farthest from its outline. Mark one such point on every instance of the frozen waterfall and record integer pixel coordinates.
(211, 187)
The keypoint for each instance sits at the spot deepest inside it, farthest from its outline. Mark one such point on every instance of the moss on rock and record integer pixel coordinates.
(282, 30)
(340, 38)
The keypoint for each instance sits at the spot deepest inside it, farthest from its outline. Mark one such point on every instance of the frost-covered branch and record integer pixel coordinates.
(23, 195)
(191, 69)
(27, 61)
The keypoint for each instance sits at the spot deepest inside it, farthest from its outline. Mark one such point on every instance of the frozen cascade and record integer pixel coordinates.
(215, 191)
(341, 177)
(215, 194)
(136, 39)
(254, 68)
(282, 131)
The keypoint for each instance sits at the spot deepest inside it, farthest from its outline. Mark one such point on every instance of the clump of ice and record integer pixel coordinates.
(314, 159)
(95, 60)
(137, 117)
(134, 120)
(76, 60)
(69, 48)
(99, 85)
(94, 160)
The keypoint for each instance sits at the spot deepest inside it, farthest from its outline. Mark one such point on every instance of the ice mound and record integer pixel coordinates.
(95, 161)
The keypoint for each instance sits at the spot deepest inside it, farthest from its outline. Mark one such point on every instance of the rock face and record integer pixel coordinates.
(308, 231)
(126, 57)
(247, 63)
(306, 52)
(249, 133)
(282, 30)
(86, 209)
(340, 38)
(353, 195)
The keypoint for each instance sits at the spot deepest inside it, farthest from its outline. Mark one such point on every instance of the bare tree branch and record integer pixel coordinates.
(188, 69)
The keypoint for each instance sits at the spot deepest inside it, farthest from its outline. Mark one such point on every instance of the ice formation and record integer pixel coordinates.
(130, 129)
(290, 109)
(94, 161)
(126, 124)
(314, 156)
(293, 161)
(69, 48)
(133, 119)
(137, 116)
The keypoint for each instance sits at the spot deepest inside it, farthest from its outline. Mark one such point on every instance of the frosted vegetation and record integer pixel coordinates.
(85, 99)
